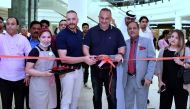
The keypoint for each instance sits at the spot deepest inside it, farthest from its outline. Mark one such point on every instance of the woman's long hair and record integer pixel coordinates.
(181, 44)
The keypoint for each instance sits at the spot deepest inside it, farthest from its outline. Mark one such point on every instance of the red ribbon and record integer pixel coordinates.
(61, 68)
(108, 60)
(51, 58)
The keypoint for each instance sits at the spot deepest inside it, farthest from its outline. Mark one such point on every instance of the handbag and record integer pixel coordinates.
(186, 76)
(184, 73)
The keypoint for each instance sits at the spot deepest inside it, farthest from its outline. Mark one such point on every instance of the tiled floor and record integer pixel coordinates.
(85, 101)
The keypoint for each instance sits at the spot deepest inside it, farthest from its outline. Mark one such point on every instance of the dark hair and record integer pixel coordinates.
(35, 22)
(143, 17)
(105, 9)
(62, 20)
(55, 31)
(17, 22)
(71, 11)
(1, 18)
(165, 32)
(85, 24)
(45, 21)
(187, 43)
(135, 23)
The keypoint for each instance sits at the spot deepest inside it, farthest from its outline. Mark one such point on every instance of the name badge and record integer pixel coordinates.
(50, 53)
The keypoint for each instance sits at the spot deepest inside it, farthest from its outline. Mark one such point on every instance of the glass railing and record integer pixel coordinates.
(120, 3)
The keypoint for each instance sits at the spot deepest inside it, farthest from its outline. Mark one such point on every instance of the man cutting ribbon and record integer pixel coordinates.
(103, 40)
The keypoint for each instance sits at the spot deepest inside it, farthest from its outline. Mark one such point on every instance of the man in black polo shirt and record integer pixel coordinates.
(69, 45)
(104, 40)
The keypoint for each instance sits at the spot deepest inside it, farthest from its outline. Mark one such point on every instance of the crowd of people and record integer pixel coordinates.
(118, 59)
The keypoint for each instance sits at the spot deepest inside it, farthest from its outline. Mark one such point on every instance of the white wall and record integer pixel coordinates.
(5, 3)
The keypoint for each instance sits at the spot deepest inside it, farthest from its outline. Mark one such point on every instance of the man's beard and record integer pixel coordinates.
(72, 26)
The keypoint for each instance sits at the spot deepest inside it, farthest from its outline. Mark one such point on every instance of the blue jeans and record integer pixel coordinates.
(100, 77)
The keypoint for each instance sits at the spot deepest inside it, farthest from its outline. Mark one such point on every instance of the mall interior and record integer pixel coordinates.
(162, 15)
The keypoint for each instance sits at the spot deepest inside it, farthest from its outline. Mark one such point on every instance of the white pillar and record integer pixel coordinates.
(80, 6)
(178, 24)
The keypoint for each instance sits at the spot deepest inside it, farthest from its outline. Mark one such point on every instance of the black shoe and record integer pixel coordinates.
(148, 101)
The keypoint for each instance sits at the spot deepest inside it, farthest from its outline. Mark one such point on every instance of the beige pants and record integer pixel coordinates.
(71, 85)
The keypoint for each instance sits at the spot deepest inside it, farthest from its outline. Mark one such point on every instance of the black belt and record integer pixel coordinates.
(77, 68)
(131, 74)
(72, 67)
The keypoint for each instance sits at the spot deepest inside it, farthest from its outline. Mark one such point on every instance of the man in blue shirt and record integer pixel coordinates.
(69, 45)
(35, 28)
(104, 40)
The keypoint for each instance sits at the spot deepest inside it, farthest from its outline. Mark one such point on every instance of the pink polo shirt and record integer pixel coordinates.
(17, 45)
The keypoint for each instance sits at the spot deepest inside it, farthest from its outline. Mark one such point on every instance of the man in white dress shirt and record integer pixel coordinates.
(144, 29)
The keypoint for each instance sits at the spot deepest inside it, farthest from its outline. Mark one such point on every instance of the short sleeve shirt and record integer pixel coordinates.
(104, 42)
(35, 53)
(70, 41)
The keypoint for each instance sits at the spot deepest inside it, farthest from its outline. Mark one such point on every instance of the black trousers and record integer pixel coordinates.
(180, 98)
(8, 88)
(86, 72)
(26, 96)
(58, 89)
(99, 79)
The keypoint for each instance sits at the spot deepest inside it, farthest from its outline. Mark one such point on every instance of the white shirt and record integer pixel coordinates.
(147, 33)
(123, 29)
(125, 33)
